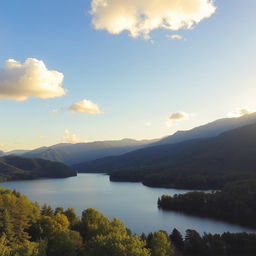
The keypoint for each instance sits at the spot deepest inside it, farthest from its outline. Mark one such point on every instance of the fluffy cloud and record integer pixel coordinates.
(140, 17)
(179, 116)
(31, 79)
(85, 106)
(240, 112)
(175, 37)
(70, 137)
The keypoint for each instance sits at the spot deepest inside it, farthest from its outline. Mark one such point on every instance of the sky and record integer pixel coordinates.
(87, 70)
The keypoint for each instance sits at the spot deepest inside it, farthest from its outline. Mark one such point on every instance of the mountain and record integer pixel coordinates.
(207, 163)
(212, 129)
(17, 152)
(75, 153)
(17, 168)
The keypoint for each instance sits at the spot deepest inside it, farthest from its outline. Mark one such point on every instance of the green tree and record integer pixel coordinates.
(4, 249)
(71, 215)
(65, 243)
(160, 245)
(47, 210)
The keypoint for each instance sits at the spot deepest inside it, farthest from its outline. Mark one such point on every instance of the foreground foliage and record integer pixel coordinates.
(28, 230)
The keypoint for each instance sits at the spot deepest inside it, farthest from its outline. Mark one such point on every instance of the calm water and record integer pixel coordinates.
(133, 203)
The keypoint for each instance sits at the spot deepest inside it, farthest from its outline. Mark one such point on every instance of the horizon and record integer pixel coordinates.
(87, 74)
(120, 139)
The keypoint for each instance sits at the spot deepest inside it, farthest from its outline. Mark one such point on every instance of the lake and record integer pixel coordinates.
(133, 203)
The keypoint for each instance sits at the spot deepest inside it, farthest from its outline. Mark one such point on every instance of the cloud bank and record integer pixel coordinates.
(70, 137)
(31, 79)
(140, 17)
(85, 106)
(240, 112)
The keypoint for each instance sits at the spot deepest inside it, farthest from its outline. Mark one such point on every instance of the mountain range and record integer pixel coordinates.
(79, 154)
(204, 163)
(74, 153)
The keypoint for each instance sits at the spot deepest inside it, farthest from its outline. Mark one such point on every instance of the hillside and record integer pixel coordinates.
(75, 153)
(211, 129)
(202, 163)
(18, 168)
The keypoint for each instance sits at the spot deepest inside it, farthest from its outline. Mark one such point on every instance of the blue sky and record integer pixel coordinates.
(134, 81)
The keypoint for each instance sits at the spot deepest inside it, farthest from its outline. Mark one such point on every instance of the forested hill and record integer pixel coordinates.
(203, 163)
(17, 168)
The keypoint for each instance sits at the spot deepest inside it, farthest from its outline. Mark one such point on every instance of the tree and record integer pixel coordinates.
(117, 244)
(47, 210)
(71, 215)
(65, 243)
(194, 244)
(160, 245)
(93, 223)
(59, 210)
(176, 238)
(4, 249)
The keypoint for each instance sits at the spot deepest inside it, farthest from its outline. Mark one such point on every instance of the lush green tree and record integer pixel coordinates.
(71, 215)
(65, 243)
(58, 210)
(47, 210)
(17, 214)
(6, 226)
(93, 223)
(4, 249)
(116, 244)
(160, 245)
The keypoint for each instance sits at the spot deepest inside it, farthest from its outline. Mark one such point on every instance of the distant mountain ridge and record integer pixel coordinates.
(74, 153)
(212, 129)
(208, 130)
(18, 168)
(207, 163)
(80, 153)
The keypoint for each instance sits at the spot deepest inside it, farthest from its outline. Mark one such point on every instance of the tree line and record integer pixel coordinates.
(235, 203)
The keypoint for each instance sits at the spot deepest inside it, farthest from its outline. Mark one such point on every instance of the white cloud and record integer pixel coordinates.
(70, 137)
(175, 37)
(240, 112)
(140, 17)
(85, 106)
(31, 79)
